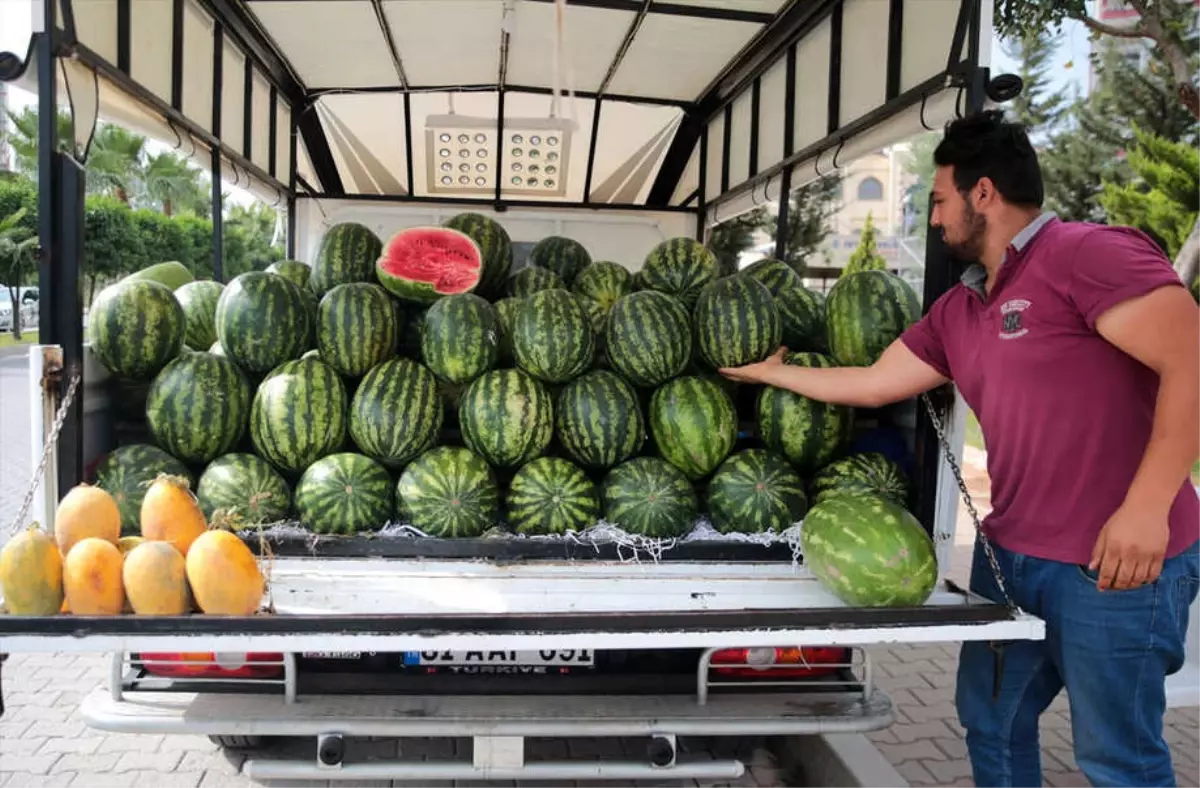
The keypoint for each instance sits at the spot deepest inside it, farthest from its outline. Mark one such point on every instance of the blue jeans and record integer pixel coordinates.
(1111, 650)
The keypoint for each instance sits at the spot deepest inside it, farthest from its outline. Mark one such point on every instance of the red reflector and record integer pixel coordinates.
(766, 663)
(209, 665)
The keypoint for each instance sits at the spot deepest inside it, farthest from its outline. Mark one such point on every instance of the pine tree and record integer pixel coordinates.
(810, 217)
(865, 256)
(1037, 107)
(1164, 196)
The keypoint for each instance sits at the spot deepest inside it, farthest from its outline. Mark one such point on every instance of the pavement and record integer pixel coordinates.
(43, 742)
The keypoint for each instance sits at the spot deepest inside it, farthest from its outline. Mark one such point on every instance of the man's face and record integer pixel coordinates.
(963, 229)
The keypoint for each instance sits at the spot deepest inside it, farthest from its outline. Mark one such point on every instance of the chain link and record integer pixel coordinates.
(51, 441)
(966, 496)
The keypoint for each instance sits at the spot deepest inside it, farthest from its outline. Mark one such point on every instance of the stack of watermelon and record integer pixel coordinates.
(424, 382)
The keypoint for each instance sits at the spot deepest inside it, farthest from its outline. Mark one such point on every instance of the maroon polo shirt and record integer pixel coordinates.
(1066, 415)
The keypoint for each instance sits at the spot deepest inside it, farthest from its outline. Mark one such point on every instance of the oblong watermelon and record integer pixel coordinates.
(449, 492)
(495, 246)
(604, 282)
(755, 491)
(807, 432)
(649, 497)
(345, 493)
(262, 321)
(136, 327)
(859, 474)
(356, 328)
(599, 420)
(199, 302)
(396, 412)
(299, 414)
(246, 486)
(550, 495)
(424, 264)
(553, 339)
(694, 424)
(679, 267)
(198, 406)
(126, 472)
(566, 257)
(865, 312)
(347, 254)
(736, 322)
(461, 338)
(531, 279)
(648, 338)
(506, 417)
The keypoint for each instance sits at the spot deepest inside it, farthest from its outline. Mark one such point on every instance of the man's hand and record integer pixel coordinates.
(754, 373)
(1129, 551)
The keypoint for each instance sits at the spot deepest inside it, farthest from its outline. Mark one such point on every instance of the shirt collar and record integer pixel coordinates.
(975, 277)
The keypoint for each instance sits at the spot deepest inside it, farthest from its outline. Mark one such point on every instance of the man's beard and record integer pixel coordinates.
(970, 249)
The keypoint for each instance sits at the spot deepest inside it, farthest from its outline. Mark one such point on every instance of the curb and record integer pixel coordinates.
(836, 759)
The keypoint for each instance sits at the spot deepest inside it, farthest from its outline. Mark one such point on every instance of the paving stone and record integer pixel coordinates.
(915, 773)
(27, 780)
(157, 779)
(918, 750)
(34, 764)
(954, 748)
(223, 780)
(949, 772)
(152, 761)
(934, 729)
(1065, 779)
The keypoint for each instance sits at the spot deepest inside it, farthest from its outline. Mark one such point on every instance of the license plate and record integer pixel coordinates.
(563, 657)
(333, 654)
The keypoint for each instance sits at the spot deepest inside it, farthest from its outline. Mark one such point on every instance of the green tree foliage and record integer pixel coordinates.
(1163, 197)
(17, 243)
(729, 239)
(866, 256)
(810, 217)
(1038, 107)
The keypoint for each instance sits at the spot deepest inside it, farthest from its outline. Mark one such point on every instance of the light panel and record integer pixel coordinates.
(460, 155)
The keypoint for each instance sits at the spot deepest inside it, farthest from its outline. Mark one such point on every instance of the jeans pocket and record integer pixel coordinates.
(1092, 578)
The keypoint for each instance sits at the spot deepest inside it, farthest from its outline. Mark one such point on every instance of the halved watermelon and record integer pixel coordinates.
(422, 264)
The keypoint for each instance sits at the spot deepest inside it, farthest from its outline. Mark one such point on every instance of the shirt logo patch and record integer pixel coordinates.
(1010, 326)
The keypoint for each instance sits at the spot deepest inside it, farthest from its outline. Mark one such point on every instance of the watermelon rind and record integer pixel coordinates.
(550, 495)
(198, 406)
(356, 328)
(863, 473)
(599, 420)
(694, 424)
(736, 322)
(506, 417)
(262, 321)
(347, 254)
(531, 279)
(755, 491)
(494, 245)
(604, 282)
(506, 319)
(126, 472)
(246, 487)
(553, 338)
(566, 257)
(679, 267)
(298, 415)
(199, 302)
(648, 339)
(460, 339)
(648, 496)
(345, 493)
(135, 327)
(452, 264)
(808, 432)
(865, 312)
(172, 274)
(449, 492)
(295, 271)
(396, 412)
(801, 311)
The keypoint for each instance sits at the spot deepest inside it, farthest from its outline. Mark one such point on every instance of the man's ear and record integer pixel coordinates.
(985, 193)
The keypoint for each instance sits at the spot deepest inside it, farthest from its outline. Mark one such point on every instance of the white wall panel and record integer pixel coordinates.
(739, 139)
(677, 56)
(593, 36)
(233, 101)
(260, 121)
(447, 43)
(198, 29)
(926, 38)
(812, 86)
(864, 57)
(771, 100)
(283, 135)
(96, 26)
(330, 43)
(150, 36)
(712, 172)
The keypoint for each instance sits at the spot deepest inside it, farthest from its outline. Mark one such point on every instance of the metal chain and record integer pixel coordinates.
(966, 496)
(51, 441)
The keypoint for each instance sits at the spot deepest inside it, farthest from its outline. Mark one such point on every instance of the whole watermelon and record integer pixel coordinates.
(649, 338)
(494, 245)
(553, 338)
(650, 497)
(299, 414)
(449, 492)
(199, 302)
(801, 311)
(599, 420)
(136, 327)
(860, 474)
(549, 495)
(197, 407)
(566, 257)
(246, 486)
(262, 321)
(506, 417)
(531, 279)
(604, 282)
(294, 271)
(869, 552)
(694, 424)
(506, 319)
(736, 322)
(809, 433)
(461, 338)
(755, 491)
(356, 328)
(865, 312)
(126, 472)
(345, 493)
(679, 267)
(396, 413)
(347, 254)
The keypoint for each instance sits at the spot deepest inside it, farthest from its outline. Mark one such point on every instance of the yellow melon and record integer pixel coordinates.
(224, 575)
(84, 512)
(155, 577)
(92, 578)
(170, 514)
(31, 574)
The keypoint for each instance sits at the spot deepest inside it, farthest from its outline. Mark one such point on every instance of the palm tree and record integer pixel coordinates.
(169, 181)
(16, 249)
(115, 161)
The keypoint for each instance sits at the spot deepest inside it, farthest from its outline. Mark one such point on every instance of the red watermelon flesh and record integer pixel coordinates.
(425, 263)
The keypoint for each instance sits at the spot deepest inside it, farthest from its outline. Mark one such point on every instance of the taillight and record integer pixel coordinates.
(210, 665)
(776, 663)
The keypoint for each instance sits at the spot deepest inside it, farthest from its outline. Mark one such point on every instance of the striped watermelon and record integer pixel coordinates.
(449, 492)
(680, 267)
(347, 254)
(495, 246)
(604, 282)
(861, 474)
(246, 486)
(566, 257)
(531, 279)
(262, 321)
(424, 264)
(461, 338)
(506, 417)
(199, 302)
(649, 497)
(801, 311)
(649, 338)
(755, 491)
(126, 472)
(136, 327)
(299, 414)
(294, 271)
(600, 422)
(553, 338)
(736, 322)
(345, 493)
(506, 317)
(396, 413)
(356, 328)
(694, 424)
(549, 495)
(869, 552)
(865, 312)
(197, 407)
(807, 432)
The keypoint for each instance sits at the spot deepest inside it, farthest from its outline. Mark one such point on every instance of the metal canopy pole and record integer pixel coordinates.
(218, 209)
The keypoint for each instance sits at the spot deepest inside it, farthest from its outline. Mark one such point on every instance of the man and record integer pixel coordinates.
(1078, 348)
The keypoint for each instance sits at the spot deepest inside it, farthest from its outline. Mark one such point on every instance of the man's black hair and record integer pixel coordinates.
(985, 145)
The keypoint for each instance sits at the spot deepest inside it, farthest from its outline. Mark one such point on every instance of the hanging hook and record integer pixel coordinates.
(924, 101)
(837, 153)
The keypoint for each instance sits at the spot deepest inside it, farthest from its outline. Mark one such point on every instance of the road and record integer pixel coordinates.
(16, 439)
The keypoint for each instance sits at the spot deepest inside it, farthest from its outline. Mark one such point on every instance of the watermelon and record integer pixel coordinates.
(600, 422)
(694, 424)
(246, 486)
(858, 474)
(865, 312)
(736, 322)
(495, 246)
(262, 321)
(135, 328)
(449, 492)
(126, 472)
(801, 311)
(549, 495)
(199, 302)
(356, 328)
(754, 491)
(807, 432)
(396, 413)
(197, 407)
(679, 267)
(412, 326)
(461, 338)
(869, 552)
(299, 414)
(566, 257)
(345, 493)
(649, 497)
(531, 279)
(347, 254)
(506, 316)
(604, 282)
(171, 274)
(648, 338)
(424, 264)
(553, 338)
(506, 417)
(294, 271)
